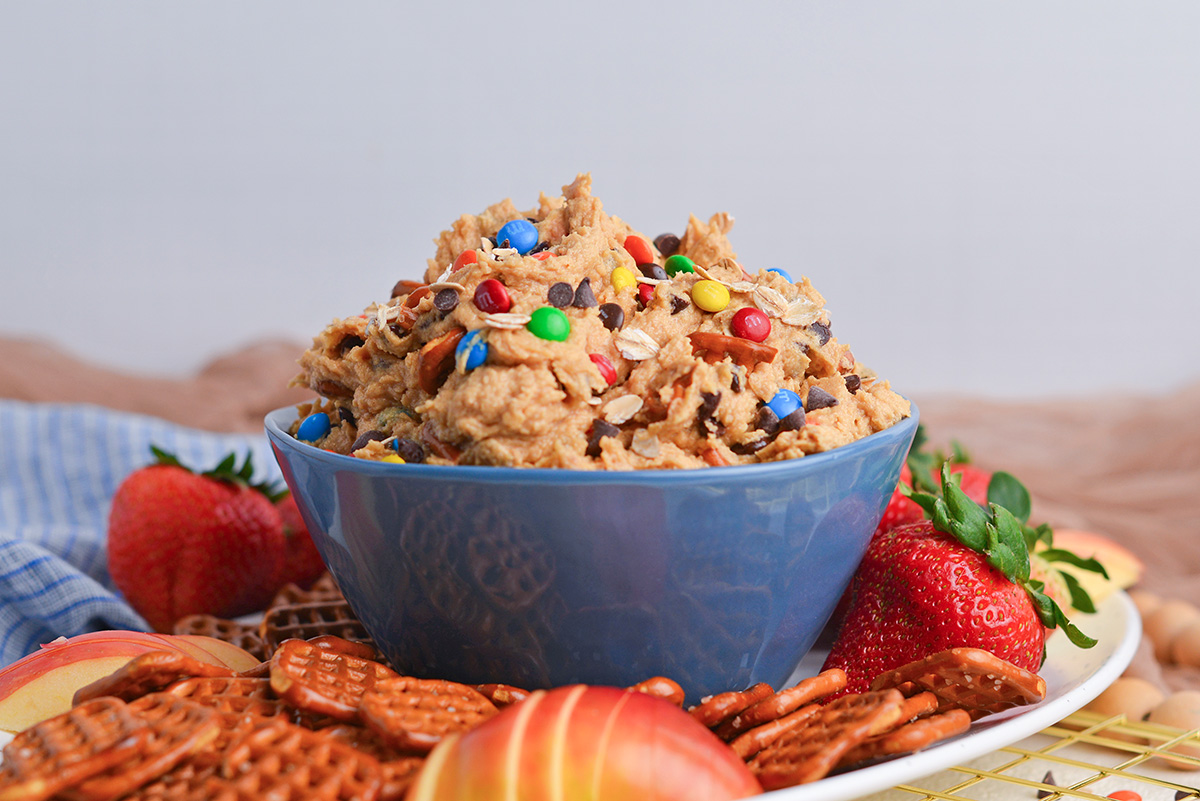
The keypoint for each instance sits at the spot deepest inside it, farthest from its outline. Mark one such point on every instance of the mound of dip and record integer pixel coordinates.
(561, 337)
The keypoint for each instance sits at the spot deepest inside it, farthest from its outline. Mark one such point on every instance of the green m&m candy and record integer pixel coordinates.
(548, 322)
(679, 264)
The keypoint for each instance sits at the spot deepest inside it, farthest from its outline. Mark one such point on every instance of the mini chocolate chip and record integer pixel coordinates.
(667, 244)
(410, 450)
(540, 246)
(708, 404)
(349, 343)
(822, 331)
(446, 299)
(346, 415)
(584, 297)
(560, 295)
(747, 448)
(792, 421)
(853, 383)
(735, 383)
(531, 220)
(767, 421)
(819, 399)
(613, 316)
(374, 435)
(600, 430)
(1181, 794)
(678, 304)
(1047, 779)
(652, 270)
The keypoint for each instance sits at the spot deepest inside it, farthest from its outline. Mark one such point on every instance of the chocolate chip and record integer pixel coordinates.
(600, 430)
(822, 331)
(540, 246)
(819, 399)
(346, 415)
(531, 220)
(678, 304)
(374, 435)
(410, 450)
(652, 270)
(492, 239)
(349, 343)
(1047, 779)
(708, 404)
(767, 421)
(667, 244)
(1182, 794)
(446, 299)
(747, 448)
(792, 421)
(584, 297)
(560, 295)
(613, 316)
(735, 383)
(853, 383)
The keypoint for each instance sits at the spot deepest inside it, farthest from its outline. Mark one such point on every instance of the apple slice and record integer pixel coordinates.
(1124, 568)
(42, 684)
(585, 742)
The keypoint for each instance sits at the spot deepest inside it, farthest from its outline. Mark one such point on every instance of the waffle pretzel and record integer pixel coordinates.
(661, 687)
(397, 768)
(502, 695)
(311, 619)
(323, 681)
(147, 673)
(69, 748)
(417, 714)
(808, 751)
(910, 737)
(968, 678)
(243, 636)
(177, 729)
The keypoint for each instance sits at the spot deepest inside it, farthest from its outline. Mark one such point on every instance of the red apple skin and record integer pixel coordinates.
(585, 743)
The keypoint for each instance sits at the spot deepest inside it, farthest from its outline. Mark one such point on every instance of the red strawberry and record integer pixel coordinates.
(182, 543)
(302, 562)
(959, 579)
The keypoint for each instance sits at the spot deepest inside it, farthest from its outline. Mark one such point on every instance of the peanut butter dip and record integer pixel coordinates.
(561, 337)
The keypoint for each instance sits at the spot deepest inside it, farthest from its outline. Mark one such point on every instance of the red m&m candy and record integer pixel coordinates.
(750, 323)
(491, 297)
(605, 367)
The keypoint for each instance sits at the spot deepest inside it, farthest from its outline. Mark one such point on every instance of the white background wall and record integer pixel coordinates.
(998, 198)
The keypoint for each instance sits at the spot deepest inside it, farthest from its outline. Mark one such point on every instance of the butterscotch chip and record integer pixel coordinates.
(716, 709)
(282, 760)
(69, 748)
(783, 702)
(808, 751)
(323, 681)
(177, 729)
(661, 687)
(147, 673)
(969, 678)
(417, 714)
(912, 736)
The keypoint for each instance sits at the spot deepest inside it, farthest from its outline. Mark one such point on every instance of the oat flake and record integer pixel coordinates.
(801, 311)
(635, 344)
(771, 301)
(509, 321)
(620, 410)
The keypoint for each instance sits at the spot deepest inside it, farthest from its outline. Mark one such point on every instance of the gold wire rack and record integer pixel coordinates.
(1085, 756)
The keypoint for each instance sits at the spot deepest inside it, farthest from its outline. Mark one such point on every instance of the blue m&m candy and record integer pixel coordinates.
(313, 427)
(784, 402)
(779, 271)
(471, 351)
(521, 235)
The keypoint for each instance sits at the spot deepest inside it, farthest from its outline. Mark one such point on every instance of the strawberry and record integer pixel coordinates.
(182, 543)
(960, 578)
(302, 562)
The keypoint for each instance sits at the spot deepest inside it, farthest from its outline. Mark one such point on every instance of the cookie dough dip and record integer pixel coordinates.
(561, 337)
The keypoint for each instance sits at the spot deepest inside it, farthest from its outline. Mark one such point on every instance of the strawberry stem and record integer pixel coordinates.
(227, 470)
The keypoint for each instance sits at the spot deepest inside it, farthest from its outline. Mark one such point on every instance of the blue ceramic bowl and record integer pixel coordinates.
(718, 578)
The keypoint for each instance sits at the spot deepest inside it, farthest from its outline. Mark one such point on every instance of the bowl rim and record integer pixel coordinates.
(276, 420)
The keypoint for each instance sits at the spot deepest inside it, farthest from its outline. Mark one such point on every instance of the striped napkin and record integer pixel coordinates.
(59, 467)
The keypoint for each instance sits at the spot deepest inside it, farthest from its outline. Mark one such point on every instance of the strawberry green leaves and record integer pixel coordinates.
(227, 470)
(1002, 534)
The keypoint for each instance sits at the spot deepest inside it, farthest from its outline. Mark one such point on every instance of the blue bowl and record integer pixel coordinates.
(718, 578)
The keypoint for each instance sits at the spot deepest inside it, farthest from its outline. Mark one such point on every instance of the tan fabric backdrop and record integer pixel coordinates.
(1124, 465)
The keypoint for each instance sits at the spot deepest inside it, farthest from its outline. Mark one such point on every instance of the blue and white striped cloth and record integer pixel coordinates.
(59, 467)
